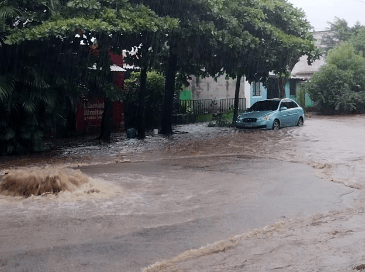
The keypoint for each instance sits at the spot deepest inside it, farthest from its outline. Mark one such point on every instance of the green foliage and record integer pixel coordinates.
(340, 32)
(37, 87)
(340, 84)
(112, 92)
(104, 20)
(154, 89)
(28, 111)
(345, 58)
(87, 4)
(41, 34)
(6, 11)
(6, 86)
(222, 120)
(46, 65)
(155, 83)
(279, 36)
(358, 40)
(292, 39)
(301, 97)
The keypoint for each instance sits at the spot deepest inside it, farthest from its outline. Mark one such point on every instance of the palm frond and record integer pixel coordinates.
(52, 5)
(7, 11)
(38, 135)
(2, 38)
(26, 134)
(9, 134)
(7, 84)
(34, 79)
(50, 100)
(29, 106)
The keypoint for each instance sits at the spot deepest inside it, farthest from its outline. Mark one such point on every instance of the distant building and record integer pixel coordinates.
(300, 73)
(215, 89)
(221, 88)
(304, 71)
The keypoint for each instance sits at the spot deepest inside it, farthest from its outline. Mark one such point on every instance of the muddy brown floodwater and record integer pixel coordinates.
(204, 199)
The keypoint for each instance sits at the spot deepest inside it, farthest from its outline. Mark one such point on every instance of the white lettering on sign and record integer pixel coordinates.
(94, 106)
(93, 111)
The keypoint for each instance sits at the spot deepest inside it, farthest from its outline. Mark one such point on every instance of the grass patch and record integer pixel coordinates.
(222, 120)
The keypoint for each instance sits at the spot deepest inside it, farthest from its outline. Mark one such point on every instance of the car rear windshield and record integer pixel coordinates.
(265, 105)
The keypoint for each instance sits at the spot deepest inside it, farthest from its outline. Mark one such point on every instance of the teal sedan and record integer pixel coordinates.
(272, 114)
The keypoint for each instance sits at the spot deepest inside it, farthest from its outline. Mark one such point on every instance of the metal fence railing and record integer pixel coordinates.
(202, 106)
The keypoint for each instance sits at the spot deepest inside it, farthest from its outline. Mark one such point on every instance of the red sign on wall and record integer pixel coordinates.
(89, 113)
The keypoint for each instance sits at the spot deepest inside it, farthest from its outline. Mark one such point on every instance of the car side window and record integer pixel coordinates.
(292, 105)
(284, 104)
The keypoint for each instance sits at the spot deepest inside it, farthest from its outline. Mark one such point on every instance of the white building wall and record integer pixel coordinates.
(247, 92)
(222, 88)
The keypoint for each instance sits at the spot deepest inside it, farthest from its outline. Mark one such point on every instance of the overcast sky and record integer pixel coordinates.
(319, 12)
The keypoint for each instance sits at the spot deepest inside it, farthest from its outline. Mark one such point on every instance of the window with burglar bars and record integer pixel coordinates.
(256, 90)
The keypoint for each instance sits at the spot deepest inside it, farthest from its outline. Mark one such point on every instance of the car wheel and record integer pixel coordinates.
(300, 122)
(276, 125)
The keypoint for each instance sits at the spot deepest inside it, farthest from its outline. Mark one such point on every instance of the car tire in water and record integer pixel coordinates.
(300, 122)
(276, 125)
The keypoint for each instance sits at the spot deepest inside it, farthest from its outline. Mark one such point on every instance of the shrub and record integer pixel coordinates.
(301, 97)
(155, 91)
(339, 85)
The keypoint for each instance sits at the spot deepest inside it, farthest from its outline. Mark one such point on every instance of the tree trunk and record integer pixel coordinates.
(236, 98)
(281, 84)
(283, 80)
(142, 105)
(106, 129)
(167, 107)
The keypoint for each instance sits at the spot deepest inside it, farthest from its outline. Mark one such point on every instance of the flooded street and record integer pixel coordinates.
(172, 198)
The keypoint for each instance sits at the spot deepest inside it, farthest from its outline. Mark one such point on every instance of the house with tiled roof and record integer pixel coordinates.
(301, 72)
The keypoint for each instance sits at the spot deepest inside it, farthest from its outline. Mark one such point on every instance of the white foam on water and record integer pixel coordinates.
(53, 184)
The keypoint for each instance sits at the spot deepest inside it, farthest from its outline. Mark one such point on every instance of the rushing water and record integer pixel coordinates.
(115, 204)
(333, 144)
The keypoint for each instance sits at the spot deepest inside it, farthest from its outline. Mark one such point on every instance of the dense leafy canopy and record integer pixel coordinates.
(154, 87)
(358, 40)
(48, 46)
(71, 28)
(109, 21)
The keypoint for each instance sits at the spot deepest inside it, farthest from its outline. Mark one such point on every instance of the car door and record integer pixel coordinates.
(293, 112)
(284, 114)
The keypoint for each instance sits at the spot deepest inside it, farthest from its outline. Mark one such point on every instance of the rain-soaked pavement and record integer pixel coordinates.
(162, 197)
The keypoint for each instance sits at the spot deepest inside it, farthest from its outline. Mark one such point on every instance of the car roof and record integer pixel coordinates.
(277, 99)
(272, 99)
